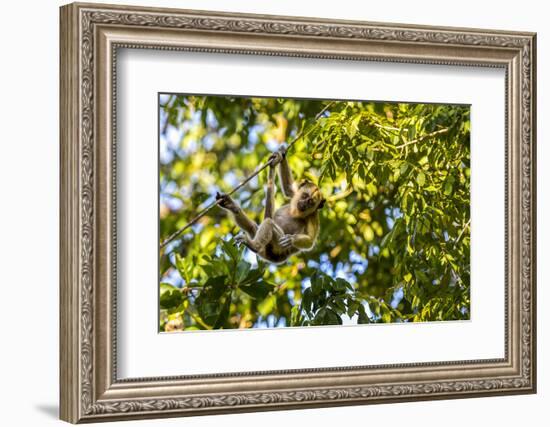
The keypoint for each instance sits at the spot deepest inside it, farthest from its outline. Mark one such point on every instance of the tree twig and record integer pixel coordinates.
(423, 137)
(386, 127)
(462, 232)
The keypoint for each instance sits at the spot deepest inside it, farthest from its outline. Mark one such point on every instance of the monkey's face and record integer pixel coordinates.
(307, 199)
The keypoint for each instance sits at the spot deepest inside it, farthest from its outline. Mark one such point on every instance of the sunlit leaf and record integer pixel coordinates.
(421, 179)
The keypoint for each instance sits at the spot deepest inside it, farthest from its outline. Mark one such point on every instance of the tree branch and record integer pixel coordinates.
(429, 135)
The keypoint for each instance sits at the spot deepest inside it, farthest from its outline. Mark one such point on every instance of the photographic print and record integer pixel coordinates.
(302, 212)
(216, 214)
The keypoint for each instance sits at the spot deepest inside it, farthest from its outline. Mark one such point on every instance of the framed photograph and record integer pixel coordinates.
(266, 212)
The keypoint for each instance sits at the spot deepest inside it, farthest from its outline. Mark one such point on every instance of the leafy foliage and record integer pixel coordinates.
(394, 244)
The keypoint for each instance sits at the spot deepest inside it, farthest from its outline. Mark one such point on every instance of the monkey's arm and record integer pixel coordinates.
(270, 195)
(285, 176)
(243, 221)
(241, 218)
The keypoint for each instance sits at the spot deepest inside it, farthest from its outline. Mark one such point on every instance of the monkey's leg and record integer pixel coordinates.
(285, 176)
(264, 235)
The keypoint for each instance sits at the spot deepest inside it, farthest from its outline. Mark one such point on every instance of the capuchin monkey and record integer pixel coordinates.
(292, 228)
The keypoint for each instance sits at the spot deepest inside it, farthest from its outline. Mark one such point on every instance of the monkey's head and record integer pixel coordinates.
(306, 200)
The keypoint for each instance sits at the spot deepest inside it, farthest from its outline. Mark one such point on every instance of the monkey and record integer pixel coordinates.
(292, 228)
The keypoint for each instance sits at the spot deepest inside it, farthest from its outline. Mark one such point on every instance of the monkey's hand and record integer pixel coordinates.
(287, 241)
(275, 159)
(226, 202)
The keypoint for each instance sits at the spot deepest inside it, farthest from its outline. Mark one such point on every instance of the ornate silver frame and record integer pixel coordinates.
(90, 36)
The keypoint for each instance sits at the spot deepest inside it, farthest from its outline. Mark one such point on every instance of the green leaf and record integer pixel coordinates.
(448, 188)
(316, 283)
(363, 318)
(253, 276)
(166, 287)
(206, 237)
(340, 284)
(319, 318)
(421, 179)
(215, 286)
(307, 300)
(208, 310)
(243, 268)
(386, 239)
(295, 316)
(213, 300)
(412, 133)
(258, 290)
(353, 126)
(326, 316)
(395, 231)
(185, 267)
(231, 250)
(386, 314)
(327, 282)
(170, 296)
(449, 185)
(266, 306)
(337, 304)
(223, 314)
(332, 318)
(353, 306)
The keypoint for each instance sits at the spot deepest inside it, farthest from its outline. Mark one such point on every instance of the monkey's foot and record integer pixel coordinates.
(243, 239)
(286, 241)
